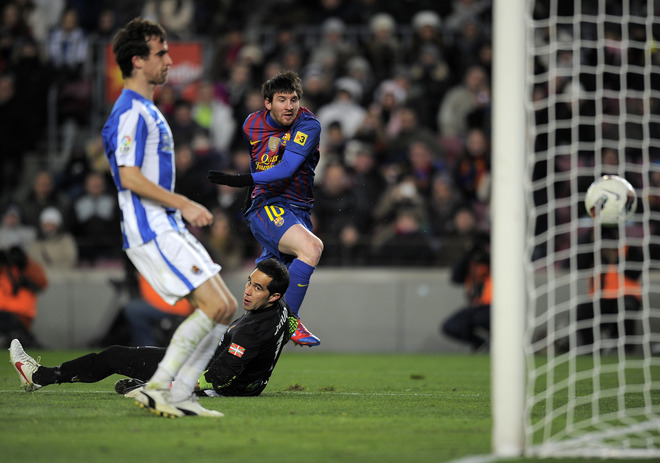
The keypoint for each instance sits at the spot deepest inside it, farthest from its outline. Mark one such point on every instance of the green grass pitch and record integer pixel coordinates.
(318, 407)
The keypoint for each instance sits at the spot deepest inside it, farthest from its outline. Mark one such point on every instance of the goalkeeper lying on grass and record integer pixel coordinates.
(241, 365)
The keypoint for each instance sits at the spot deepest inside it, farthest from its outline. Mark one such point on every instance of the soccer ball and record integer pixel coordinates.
(610, 200)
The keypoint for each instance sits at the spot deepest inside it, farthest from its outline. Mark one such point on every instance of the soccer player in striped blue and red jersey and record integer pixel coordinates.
(283, 140)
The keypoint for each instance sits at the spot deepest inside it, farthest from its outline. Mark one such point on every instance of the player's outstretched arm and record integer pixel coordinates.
(290, 163)
(235, 180)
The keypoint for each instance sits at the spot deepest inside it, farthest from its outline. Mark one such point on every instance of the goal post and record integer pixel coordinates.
(508, 227)
(575, 363)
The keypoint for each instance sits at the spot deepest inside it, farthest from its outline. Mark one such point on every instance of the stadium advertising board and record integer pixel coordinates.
(187, 68)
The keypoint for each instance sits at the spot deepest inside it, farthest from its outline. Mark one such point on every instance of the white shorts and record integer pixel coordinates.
(174, 264)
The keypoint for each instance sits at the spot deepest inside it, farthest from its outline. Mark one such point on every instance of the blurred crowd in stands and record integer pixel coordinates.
(401, 88)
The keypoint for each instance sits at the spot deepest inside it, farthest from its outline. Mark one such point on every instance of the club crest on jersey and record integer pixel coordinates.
(275, 215)
(196, 270)
(274, 143)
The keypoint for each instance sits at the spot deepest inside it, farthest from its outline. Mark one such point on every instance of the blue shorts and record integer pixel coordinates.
(269, 222)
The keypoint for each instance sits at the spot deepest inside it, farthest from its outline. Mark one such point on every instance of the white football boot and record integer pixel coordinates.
(24, 365)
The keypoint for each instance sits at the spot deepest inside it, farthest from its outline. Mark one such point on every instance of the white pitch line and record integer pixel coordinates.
(477, 459)
(272, 393)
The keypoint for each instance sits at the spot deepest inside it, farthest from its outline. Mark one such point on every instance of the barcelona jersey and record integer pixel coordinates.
(268, 142)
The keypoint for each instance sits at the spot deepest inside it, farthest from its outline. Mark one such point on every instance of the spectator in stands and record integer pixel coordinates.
(106, 26)
(55, 248)
(13, 28)
(333, 50)
(334, 202)
(232, 201)
(397, 144)
(21, 280)
(335, 143)
(463, 10)
(125, 10)
(68, 47)
(68, 54)
(343, 109)
(176, 16)
(324, 9)
(430, 74)
(166, 97)
(41, 16)
(402, 194)
(359, 69)
(460, 101)
(443, 203)
(427, 31)
(226, 51)
(471, 323)
(284, 38)
(184, 127)
(251, 101)
(316, 87)
(12, 137)
(32, 80)
(368, 184)
(294, 58)
(459, 235)
(405, 242)
(215, 116)
(389, 97)
(472, 169)
(359, 12)
(13, 232)
(104, 30)
(42, 195)
(98, 162)
(224, 241)
(466, 43)
(188, 171)
(238, 85)
(383, 49)
(71, 179)
(95, 219)
(425, 165)
(149, 314)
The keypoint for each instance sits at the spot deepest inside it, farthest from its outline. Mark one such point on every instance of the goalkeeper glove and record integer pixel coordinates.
(203, 384)
(235, 180)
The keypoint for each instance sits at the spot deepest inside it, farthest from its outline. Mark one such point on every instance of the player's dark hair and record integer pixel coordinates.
(279, 274)
(284, 82)
(131, 40)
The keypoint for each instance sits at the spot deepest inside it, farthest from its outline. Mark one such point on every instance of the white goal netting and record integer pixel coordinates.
(592, 334)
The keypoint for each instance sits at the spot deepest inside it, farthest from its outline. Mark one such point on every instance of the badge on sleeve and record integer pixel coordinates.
(236, 350)
(301, 138)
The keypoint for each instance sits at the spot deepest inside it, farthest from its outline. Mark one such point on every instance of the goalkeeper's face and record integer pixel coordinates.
(156, 67)
(283, 108)
(256, 294)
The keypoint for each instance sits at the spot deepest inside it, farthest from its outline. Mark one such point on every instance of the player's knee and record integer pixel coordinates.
(313, 250)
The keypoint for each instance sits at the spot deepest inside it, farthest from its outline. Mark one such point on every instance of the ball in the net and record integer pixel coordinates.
(611, 200)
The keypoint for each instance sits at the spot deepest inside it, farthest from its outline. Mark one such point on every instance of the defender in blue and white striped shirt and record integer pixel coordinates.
(140, 149)
(137, 134)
